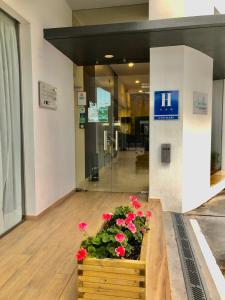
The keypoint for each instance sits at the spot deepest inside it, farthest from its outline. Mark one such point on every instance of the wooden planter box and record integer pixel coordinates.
(114, 279)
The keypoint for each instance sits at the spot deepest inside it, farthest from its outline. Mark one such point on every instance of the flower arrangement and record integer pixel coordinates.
(121, 235)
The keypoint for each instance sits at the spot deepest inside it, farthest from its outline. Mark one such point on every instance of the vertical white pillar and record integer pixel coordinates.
(184, 183)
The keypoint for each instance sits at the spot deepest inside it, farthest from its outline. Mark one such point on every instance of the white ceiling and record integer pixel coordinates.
(88, 4)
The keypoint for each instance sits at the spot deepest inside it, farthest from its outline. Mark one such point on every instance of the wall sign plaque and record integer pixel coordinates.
(200, 103)
(47, 96)
(166, 105)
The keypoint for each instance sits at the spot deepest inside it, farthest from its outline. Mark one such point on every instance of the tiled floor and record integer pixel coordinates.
(119, 175)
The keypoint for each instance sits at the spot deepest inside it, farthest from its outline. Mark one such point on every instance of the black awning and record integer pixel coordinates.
(87, 45)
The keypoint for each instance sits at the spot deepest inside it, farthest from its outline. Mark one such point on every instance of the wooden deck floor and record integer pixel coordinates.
(37, 257)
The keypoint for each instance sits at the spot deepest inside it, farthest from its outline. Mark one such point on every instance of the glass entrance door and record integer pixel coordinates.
(116, 130)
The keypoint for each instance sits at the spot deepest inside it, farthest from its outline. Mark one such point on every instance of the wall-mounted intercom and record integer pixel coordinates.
(165, 153)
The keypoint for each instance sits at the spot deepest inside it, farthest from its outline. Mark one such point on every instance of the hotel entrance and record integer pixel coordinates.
(114, 124)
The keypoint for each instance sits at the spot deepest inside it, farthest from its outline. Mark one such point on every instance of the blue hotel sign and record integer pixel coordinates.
(166, 105)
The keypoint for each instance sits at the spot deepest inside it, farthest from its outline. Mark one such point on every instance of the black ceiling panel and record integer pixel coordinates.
(87, 45)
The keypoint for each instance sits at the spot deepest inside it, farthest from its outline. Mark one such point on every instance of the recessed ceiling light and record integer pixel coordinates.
(140, 91)
(109, 55)
(130, 65)
(137, 81)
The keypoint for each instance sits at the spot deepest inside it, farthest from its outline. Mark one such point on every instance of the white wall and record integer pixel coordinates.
(198, 76)
(166, 180)
(108, 15)
(184, 183)
(164, 9)
(53, 135)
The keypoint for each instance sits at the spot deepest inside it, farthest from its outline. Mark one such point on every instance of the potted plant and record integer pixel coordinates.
(112, 264)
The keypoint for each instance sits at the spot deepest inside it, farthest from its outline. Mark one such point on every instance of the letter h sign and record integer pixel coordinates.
(166, 105)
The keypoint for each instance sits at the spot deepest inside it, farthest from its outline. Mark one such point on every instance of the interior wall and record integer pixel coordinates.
(108, 15)
(53, 134)
(164, 9)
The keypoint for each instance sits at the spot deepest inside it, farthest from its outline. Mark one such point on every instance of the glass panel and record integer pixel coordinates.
(99, 85)
(117, 128)
(130, 163)
(217, 123)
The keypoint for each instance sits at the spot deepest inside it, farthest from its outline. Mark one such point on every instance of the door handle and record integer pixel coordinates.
(117, 141)
(105, 140)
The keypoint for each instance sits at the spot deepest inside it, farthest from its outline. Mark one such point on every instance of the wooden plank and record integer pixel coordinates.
(108, 269)
(117, 281)
(102, 297)
(139, 278)
(157, 275)
(119, 263)
(35, 254)
(105, 286)
(145, 243)
(107, 292)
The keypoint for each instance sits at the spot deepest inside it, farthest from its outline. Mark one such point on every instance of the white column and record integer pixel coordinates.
(184, 183)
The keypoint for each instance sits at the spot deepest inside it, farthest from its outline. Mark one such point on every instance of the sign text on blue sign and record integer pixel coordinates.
(166, 105)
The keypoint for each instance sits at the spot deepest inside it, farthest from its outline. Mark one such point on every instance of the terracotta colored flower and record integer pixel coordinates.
(131, 216)
(107, 216)
(120, 222)
(132, 227)
(120, 251)
(81, 254)
(140, 214)
(82, 226)
(120, 237)
(148, 214)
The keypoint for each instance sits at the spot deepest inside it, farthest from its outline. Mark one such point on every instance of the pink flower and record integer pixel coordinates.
(132, 227)
(81, 254)
(120, 222)
(107, 216)
(140, 214)
(120, 251)
(133, 198)
(120, 237)
(128, 221)
(131, 216)
(82, 226)
(148, 214)
(136, 204)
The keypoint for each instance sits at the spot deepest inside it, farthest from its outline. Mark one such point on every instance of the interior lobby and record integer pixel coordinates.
(103, 102)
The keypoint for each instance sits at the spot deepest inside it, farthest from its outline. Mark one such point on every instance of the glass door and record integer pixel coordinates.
(130, 162)
(117, 128)
(99, 86)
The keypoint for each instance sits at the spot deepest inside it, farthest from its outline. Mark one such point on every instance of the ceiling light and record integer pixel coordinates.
(140, 91)
(137, 81)
(109, 55)
(130, 65)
